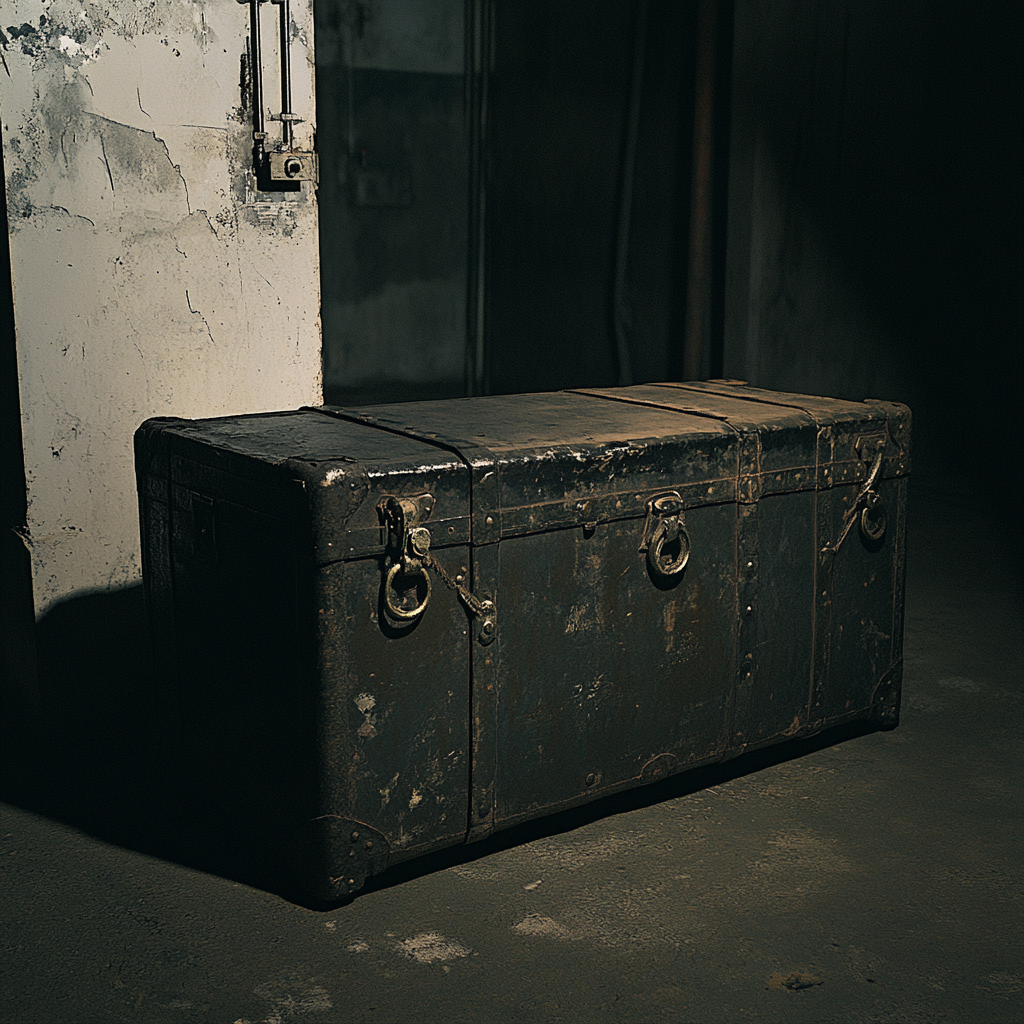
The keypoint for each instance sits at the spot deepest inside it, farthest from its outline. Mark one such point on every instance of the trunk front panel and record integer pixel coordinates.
(394, 720)
(602, 668)
(772, 700)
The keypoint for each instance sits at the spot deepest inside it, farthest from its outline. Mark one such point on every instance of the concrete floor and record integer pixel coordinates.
(874, 879)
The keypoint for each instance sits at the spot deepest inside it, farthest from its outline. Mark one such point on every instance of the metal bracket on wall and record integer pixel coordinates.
(283, 167)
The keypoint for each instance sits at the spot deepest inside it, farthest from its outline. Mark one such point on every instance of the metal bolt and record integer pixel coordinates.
(351, 881)
(355, 836)
(489, 520)
(369, 844)
(591, 779)
(750, 608)
(487, 627)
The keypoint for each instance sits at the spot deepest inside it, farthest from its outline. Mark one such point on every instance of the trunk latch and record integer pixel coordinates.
(409, 557)
(868, 508)
(665, 538)
(408, 543)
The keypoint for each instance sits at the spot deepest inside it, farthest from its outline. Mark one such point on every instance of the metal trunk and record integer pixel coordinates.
(389, 630)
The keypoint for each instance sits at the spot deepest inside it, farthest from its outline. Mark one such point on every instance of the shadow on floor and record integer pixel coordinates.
(80, 758)
(90, 759)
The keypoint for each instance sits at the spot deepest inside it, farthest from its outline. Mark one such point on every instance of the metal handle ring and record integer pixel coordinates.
(668, 567)
(874, 517)
(405, 613)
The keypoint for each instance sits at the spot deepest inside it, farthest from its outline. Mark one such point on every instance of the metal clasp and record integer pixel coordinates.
(403, 518)
(868, 508)
(663, 527)
(408, 546)
(873, 515)
(408, 543)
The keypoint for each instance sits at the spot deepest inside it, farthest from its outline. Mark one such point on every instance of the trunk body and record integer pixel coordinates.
(621, 584)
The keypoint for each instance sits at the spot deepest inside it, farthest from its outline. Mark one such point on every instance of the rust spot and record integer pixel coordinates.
(669, 616)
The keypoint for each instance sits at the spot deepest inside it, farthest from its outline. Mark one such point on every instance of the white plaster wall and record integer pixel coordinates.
(148, 277)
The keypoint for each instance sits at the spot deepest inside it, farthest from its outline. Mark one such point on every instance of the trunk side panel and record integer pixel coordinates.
(245, 648)
(863, 613)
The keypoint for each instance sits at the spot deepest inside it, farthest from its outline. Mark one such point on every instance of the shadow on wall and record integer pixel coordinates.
(77, 756)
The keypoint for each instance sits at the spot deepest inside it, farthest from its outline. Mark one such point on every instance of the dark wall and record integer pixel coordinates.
(393, 195)
(875, 215)
(582, 202)
(559, 143)
(874, 203)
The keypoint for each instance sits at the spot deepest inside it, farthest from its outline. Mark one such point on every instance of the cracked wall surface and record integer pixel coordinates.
(149, 278)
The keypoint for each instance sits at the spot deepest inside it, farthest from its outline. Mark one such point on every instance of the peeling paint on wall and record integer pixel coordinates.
(149, 278)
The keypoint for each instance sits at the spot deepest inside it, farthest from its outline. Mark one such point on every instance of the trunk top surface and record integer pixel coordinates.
(509, 424)
(277, 437)
(509, 465)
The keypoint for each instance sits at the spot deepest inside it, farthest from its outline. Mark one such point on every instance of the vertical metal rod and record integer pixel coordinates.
(479, 56)
(259, 133)
(286, 74)
(698, 284)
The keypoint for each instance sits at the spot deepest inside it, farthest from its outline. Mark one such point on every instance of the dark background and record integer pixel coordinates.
(864, 237)
(865, 229)
(866, 210)
(864, 214)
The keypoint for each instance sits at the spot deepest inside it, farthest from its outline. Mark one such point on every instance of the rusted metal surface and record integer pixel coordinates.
(418, 624)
